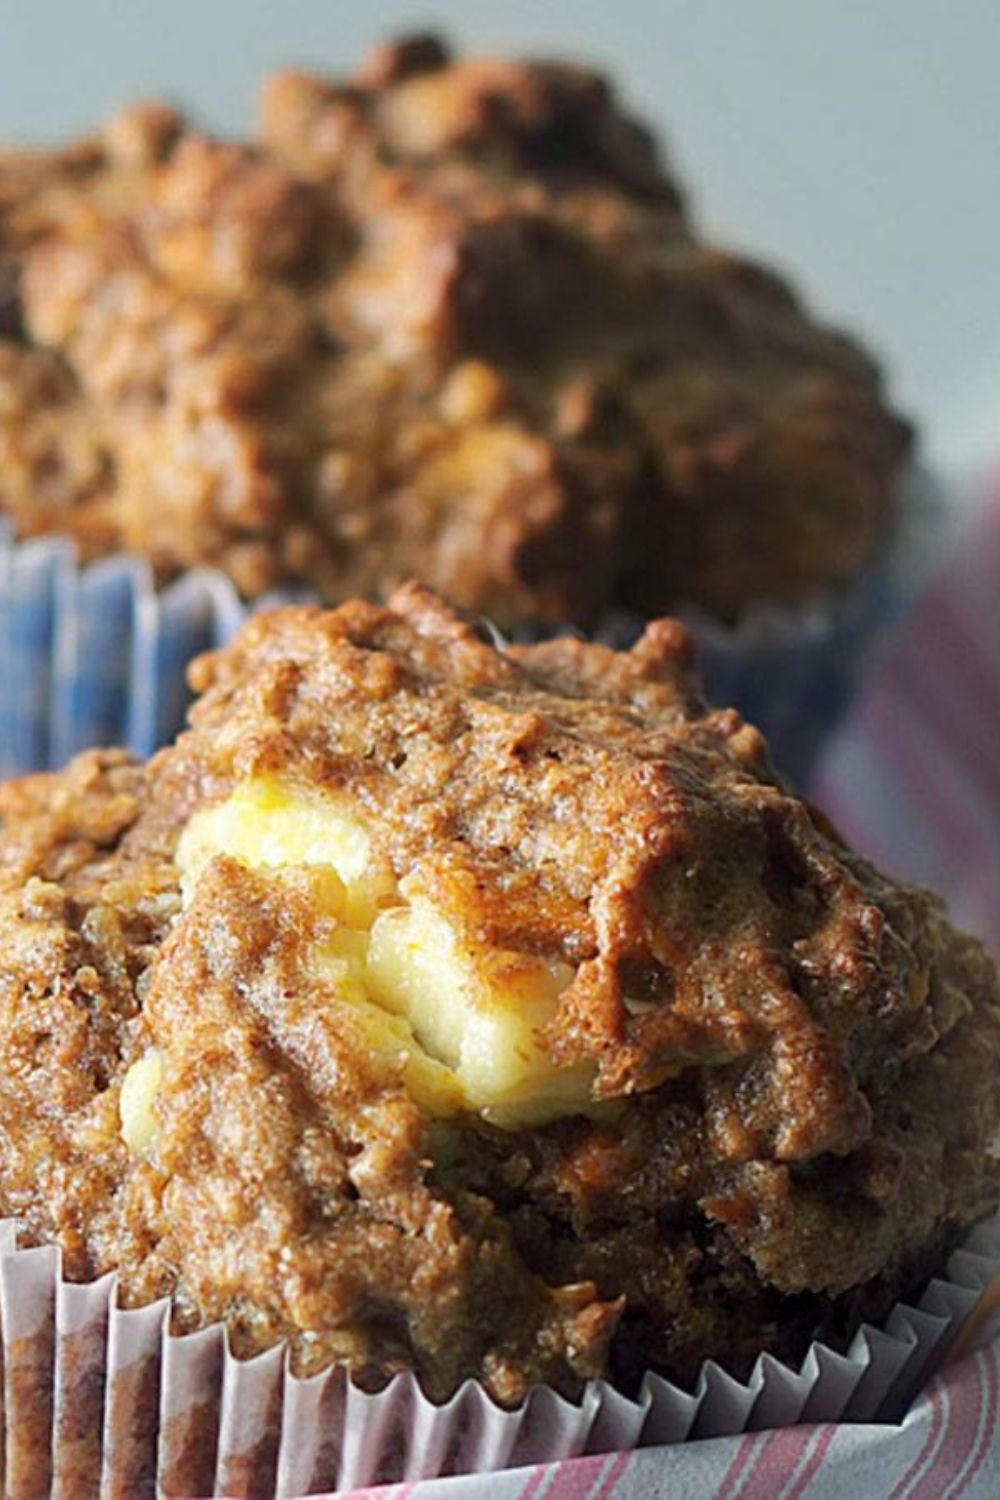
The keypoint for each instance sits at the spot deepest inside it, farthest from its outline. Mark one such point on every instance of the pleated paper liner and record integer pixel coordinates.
(97, 655)
(101, 1401)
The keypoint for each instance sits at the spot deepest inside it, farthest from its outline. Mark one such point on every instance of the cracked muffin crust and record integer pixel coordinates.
(489, 1013)
(447, 319)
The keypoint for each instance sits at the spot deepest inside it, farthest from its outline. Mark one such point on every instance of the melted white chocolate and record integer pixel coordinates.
(461, 1023)
(140, 1087)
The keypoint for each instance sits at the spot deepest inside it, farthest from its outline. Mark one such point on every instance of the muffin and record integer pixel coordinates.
(492, 1014)
(447, 319)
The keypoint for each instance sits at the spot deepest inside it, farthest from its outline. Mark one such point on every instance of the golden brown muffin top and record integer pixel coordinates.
(446, 319)
(767, 1074)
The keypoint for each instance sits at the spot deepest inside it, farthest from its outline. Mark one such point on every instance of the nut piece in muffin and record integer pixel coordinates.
(490, 1013)
(447, 319)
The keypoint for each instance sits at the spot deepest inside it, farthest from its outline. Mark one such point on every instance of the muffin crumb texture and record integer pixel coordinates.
(448, 319)
(491, 1013)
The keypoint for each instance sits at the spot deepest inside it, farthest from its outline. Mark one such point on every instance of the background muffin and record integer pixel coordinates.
(447, 320)
(482, 1013)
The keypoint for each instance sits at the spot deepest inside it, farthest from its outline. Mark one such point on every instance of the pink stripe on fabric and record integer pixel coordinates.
(968, 588)
(966, 658)
(962, 594)
(813, 1464)
(957, 835)
(965, 729)
(610, 1482)
(777, 1459)
(927, 1447)
(376, 1492)
(987, 1436)
(578, 1478)
(965, 1412)
(534, 1482)
(927, 1485)
(970, 1402)
(748, 1447)
(992, 488)
(963, 743)
(948, 815)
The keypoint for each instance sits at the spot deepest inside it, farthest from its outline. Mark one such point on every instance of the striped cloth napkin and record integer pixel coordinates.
(945, 1449)
(913, 780)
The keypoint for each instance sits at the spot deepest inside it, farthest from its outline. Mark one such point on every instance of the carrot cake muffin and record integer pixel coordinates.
(487, 1013)
(449, 318)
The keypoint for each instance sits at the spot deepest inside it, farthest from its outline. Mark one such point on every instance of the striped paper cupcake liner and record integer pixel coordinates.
(97, 655)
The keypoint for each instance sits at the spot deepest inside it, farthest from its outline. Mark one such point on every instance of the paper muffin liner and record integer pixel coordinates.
(97, 655)
(102, 1400)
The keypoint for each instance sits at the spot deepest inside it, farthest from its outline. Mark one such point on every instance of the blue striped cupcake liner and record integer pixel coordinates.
(97, 655)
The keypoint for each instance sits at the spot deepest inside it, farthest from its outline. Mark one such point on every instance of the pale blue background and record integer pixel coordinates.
(856, 141)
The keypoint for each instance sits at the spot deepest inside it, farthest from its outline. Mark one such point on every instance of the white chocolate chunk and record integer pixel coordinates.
(270, 826)
(461, 1024)
(481, 1011)
(393, 1048)
(140, 1087)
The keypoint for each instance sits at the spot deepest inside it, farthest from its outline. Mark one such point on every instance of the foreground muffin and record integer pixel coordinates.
(486, 1013)
(446, 319)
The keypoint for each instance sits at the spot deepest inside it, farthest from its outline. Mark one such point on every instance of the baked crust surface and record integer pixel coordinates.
(794, 1058)
(447, 319)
